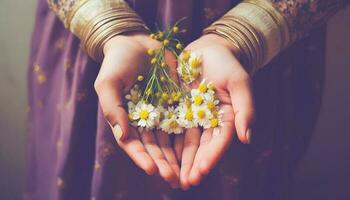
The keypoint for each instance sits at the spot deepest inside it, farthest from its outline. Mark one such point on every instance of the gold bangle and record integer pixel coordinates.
(256, 28)
(97, 21)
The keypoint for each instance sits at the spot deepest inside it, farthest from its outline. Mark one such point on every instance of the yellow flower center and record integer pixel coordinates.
(165, 96)
(198, 100)
(144, 114)
(195, 63)
(189, 115)
(201, 114)
(202, 88)
(173, 124)
(214, 122)
(185, 56)
(211, 105)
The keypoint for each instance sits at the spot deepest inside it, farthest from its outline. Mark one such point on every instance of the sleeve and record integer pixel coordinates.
(94, 22)
(260, 29)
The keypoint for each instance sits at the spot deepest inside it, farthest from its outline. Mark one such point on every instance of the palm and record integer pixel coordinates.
(203, 150)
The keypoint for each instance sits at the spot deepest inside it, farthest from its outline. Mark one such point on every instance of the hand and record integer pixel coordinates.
(125, 58)
(202, 151)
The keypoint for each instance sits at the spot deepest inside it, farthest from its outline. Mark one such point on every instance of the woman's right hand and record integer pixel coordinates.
(125, 58)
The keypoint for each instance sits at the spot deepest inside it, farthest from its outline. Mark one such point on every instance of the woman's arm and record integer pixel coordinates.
(260, 29)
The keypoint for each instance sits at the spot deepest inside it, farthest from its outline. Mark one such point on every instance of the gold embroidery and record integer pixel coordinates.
(105, 151)
(67, 65)
(40, 76)
(60, 44)
(59, 144)
(97, 165)
(60, 182)
(68, 105)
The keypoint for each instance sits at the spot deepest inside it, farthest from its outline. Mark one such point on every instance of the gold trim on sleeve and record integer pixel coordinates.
(97, 21)
(256, 30)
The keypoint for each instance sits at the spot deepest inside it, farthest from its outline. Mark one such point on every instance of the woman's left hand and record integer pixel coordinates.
(201, 151)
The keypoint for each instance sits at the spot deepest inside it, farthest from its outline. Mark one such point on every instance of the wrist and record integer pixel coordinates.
(216, 39)
(141, 38)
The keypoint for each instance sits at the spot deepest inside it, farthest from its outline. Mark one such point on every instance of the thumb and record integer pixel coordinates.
(243, 106)
(110, 94)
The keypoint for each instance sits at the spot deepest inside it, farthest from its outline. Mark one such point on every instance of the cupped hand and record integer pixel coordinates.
(125, 58)
(203, 149)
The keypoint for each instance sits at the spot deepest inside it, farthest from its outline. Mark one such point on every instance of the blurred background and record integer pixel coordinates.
(324, 173)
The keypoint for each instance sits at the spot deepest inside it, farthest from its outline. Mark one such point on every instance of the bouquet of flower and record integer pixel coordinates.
(158, 101)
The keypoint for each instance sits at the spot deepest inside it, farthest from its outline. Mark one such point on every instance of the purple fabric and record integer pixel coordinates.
(72, 153)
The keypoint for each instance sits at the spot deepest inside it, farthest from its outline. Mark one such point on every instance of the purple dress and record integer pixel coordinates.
(72, 153)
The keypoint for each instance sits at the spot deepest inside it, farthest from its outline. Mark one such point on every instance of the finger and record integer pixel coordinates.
(178, 146)
(191, 144)
(220, 141)
(136, 151)
(195, 175)
(164, 168)
(110, 96)
(243, 105)
(166, 147)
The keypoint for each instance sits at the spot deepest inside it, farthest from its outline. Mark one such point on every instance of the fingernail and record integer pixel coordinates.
(248, 135)
(117, 132)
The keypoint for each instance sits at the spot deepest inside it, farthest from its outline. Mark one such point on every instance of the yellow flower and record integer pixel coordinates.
(152, 36)
(211, 105)
(163, 64)
(140, 78)
(189, 115)
(185, 56)
(195, 62)
(202, 88)
(144, 114)
(170, 101)
(165, 96)
(160, 34)
(201, 114)
(150, 51)
(214, 122)
(131, 116)
(166, 42)
(211, 86)
(178, 46)
(197, 100)
(175, 29)
(154, 61)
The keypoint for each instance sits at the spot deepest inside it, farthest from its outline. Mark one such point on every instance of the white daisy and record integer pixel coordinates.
(201, 115)
(146, 115)
(185, 116)
(170, 123)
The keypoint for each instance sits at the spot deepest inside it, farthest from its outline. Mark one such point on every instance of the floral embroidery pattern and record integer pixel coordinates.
(303, 15)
